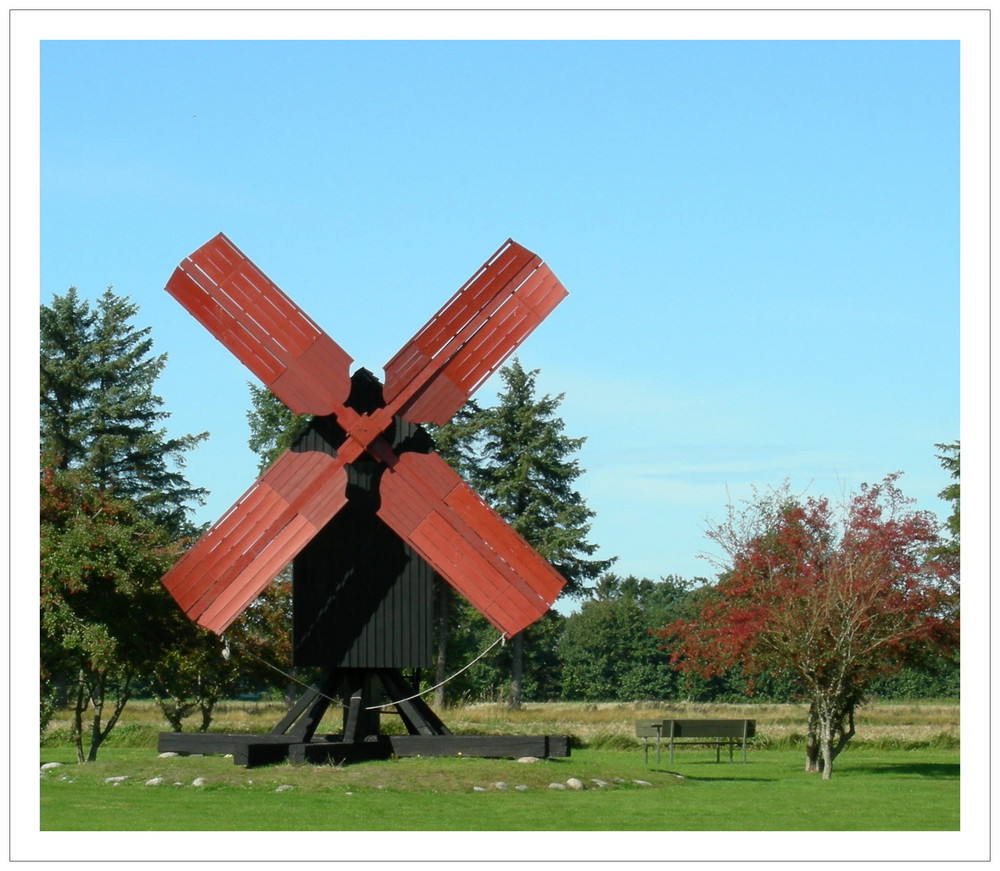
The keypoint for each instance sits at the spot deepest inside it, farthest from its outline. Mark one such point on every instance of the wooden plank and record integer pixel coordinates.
(488, 746)
(247, 548)
(249, 314)
(494, 309)
(466, 542)
(710, 728)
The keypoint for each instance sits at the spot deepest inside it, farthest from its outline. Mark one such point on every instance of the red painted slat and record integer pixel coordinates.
(471, 336)
(232, 601)
(502, 267)
(467, 543)
(290, 491)
(246, 549)
(463, 313)
(262, 327)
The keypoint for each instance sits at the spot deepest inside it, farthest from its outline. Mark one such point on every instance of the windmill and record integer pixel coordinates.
(363, 509)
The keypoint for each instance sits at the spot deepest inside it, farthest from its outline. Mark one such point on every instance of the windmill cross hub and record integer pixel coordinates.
(363, 491)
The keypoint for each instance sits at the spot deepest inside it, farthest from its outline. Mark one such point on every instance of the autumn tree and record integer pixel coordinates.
(837, 597)
(101, 601)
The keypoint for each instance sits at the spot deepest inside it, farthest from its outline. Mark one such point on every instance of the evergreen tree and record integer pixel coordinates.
(518, 458)
(950, 458)
(273, 427)
(527, 473)
(98, 409)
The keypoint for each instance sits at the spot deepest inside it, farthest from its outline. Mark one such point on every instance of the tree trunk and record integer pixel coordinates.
(80, 707)
(101, 731)
(814, 760)
(828, 735)
(174, 711)
(207, 706)
(97, 700)
(443, 625)
(516, 670)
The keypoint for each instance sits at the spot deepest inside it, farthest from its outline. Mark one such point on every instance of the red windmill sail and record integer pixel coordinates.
(421, 499)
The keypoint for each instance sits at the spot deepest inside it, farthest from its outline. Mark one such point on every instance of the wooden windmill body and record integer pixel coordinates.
(363, 509)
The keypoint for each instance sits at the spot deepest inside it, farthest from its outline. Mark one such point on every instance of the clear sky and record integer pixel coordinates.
(760, 240)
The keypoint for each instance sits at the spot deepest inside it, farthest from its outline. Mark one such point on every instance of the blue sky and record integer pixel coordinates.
(760, 239)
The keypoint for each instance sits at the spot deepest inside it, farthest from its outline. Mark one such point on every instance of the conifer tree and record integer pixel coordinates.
(99, 413)
(523, 464)
(528, 474)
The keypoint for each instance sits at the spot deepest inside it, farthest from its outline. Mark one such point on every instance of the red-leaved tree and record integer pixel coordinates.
(837, 597)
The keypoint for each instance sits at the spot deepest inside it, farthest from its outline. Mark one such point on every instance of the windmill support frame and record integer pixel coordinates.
(294, 737)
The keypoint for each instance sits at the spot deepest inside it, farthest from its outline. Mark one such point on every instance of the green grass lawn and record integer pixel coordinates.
(871, 790)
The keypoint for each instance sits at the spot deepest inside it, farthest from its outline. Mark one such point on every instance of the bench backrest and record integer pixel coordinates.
(709, 728)
(648, 728)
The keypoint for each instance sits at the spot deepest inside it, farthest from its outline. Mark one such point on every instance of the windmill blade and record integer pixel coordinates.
(471, 335)
(250, 544)
(268, 333)
(425, 503)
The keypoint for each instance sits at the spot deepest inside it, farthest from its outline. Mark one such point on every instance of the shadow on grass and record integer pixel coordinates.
(710, 779)
(939, 770)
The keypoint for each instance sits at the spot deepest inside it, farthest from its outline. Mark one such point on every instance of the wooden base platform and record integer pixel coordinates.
(254, 750)
(294, 738)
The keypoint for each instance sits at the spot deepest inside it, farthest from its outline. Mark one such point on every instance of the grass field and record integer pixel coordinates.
(900, 774)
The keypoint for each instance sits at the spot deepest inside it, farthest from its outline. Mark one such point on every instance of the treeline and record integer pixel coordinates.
(608, 649)
(115, 511)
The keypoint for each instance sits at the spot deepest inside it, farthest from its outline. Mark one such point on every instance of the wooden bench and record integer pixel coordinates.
(712, 733)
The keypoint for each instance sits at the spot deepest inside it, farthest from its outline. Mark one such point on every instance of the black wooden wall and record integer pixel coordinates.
(361, 598)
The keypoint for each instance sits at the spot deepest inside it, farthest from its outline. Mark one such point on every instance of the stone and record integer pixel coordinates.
(500, 785)
(117, 779)
(598, 782)
(557, 786)
(521, 787)
(154, 781)
(283, 787)
(198, 781)
(642, 783)
(529, 759)
(479, 789)
(574, 783)
(48, 766)
(166, 755)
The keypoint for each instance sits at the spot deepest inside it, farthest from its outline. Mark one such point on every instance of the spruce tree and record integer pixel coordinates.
(528, 474)
(518, 458)
(99, 412)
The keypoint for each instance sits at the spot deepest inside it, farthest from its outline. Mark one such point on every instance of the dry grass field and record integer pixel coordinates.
(888, 725)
